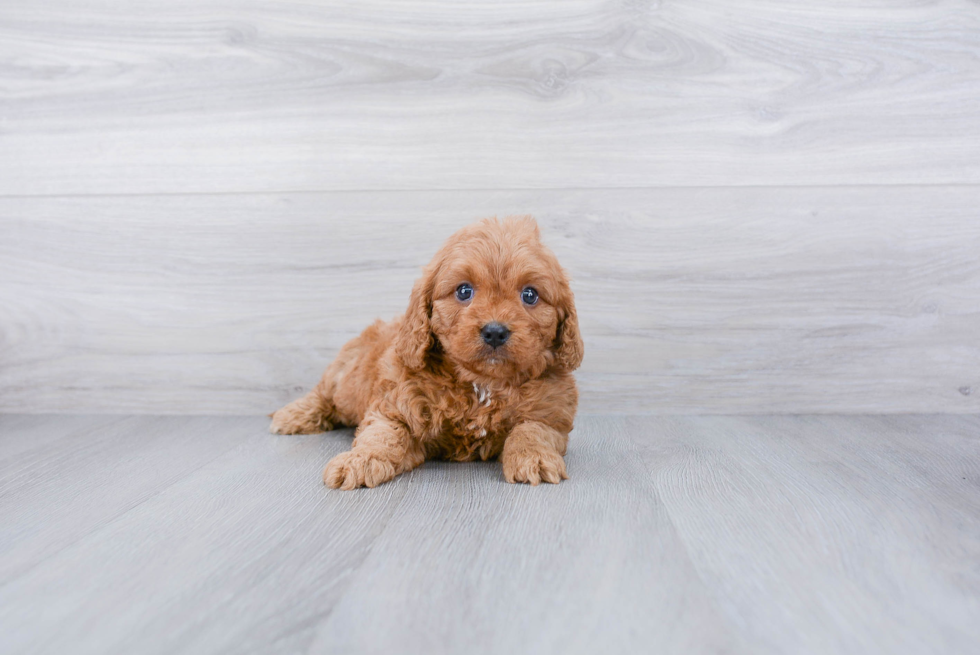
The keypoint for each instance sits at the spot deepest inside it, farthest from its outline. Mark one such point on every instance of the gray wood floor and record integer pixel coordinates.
(794, 534)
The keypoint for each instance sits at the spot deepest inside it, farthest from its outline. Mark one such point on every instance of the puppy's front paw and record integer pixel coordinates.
(352, 469)
(532, 465)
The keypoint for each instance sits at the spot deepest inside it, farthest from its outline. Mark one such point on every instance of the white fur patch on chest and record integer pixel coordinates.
(483, 395)
(481, 433)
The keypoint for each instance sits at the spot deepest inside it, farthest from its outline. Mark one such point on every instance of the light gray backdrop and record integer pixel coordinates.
(765, 206)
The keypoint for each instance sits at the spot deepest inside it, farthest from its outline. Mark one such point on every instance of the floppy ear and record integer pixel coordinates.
(415, 337)
(569, 348)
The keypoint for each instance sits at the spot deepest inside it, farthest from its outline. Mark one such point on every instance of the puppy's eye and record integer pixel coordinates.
(464, 292)
(529, 296)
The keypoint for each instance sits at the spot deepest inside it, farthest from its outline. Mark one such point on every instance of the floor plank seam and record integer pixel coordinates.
(325, 191)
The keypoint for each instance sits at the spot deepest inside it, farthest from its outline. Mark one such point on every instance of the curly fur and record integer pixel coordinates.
(425, 385)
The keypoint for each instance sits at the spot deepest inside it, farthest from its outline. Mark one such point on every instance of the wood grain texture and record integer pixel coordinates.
(95, 472)
(691, 300)
(803, 534)
(246, 553)
(221, 96)
(883, 511)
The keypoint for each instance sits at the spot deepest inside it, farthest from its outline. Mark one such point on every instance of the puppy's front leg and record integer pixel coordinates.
(533, 452)
(381, 450)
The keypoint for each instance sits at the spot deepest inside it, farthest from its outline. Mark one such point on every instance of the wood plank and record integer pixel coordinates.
(248, 552)
(219, 96)
(92, 473)
(829, 534)
(22, 435)
(474, 565)
(691, 300)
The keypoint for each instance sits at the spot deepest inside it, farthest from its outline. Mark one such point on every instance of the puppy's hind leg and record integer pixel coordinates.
(310, 414)
(318, 411)
(314, 412)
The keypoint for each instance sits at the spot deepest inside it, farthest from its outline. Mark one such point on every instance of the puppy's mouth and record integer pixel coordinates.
(494, 356)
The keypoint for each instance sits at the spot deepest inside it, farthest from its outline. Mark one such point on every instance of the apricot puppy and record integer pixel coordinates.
(480, 366)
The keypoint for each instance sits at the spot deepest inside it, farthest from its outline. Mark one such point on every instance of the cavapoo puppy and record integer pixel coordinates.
(480, 366)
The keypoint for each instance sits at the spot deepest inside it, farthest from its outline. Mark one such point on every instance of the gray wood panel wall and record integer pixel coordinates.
(768, 207)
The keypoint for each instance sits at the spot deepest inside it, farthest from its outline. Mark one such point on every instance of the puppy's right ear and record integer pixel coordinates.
(415, 337)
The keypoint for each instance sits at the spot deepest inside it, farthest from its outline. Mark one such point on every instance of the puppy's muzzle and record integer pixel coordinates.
(495, 334)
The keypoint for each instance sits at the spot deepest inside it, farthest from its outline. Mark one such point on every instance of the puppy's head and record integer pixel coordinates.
(497, 302)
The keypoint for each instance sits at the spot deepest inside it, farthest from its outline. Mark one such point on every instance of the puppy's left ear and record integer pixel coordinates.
(569, 348)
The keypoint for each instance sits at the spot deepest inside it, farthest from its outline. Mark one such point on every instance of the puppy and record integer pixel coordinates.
(480, 366)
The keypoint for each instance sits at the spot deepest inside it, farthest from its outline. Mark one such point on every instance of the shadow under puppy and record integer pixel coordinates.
(478, 367)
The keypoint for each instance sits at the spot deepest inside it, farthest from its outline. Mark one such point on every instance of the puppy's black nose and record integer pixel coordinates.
(494, 334)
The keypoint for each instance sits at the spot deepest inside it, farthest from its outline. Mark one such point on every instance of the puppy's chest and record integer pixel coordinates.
(478, 430)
